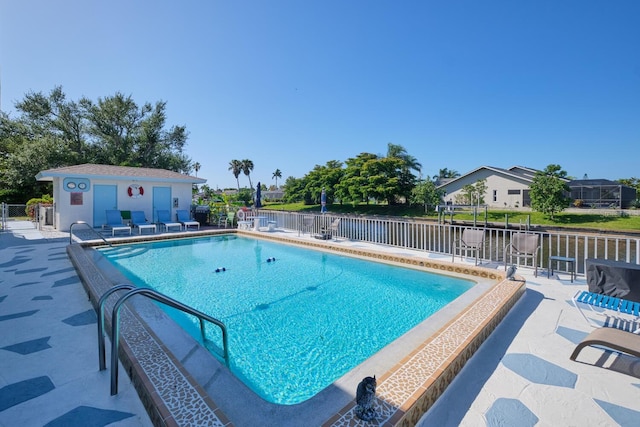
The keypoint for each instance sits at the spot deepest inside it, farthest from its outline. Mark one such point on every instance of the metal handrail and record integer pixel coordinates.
(157, 296)
(103, 299)
(90, 227)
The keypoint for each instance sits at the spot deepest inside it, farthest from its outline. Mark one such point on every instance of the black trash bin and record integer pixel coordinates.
(202, 215)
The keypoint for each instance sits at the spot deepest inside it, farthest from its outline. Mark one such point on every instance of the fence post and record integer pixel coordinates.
(475, 216)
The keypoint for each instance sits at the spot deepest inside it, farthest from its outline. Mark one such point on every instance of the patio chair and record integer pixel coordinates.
(523, 245)
(611, 307)
(331, 232)
(185, 219)
(335, 227)
(471, 240)
(230, 218)
(164, 218)
(222, 218)
(615, 339)
(308, 223)
(139, 221)
(226, 218)
(114, 222)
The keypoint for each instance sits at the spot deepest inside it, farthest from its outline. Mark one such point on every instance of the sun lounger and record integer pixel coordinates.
(164, 218)
(139, 221)
(606, 305)
(186, 220)
(114, 222)
(615, 339)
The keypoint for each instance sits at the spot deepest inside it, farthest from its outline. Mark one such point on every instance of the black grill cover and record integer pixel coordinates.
(615, 278)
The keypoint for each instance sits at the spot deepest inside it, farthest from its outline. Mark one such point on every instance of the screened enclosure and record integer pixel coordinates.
(602, 193)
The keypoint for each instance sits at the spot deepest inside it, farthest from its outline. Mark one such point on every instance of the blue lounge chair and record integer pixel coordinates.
(606, 305)
(164, 218)
(139, 221)
(114, 222)
(186, 220)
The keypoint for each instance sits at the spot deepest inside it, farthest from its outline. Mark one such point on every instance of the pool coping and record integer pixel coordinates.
(180, 386)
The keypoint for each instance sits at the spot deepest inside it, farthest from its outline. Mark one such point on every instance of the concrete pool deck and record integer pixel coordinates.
(521, 375)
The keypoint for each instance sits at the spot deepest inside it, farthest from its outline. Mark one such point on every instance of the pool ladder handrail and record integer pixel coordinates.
(115, 325)
(90, 228)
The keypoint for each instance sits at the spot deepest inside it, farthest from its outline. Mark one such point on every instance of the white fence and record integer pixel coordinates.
(439, 238)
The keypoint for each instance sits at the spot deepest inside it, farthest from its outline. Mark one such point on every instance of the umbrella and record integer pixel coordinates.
(258, 196)
(323, 201)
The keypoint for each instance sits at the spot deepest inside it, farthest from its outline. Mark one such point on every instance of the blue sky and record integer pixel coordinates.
(293, 84)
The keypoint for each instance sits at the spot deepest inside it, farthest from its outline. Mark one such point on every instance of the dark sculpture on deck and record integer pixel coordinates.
(365, 399)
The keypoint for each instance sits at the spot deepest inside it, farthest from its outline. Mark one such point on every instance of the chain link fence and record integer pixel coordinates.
(12, 213)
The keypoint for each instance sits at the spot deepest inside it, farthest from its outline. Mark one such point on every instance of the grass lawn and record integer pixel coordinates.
(586, 220)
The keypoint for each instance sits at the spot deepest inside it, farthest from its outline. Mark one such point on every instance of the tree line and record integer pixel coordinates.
(367, 178)
(52, 131)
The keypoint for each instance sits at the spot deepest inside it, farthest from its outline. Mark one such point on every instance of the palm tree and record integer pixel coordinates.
(445, 174)
(247, 168)
(399, 152)
(196, 166)
(235, 166)
(277, 174)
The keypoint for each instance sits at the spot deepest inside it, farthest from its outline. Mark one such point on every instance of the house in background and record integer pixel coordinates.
(86, 192)
(506, 188)
(509, 188)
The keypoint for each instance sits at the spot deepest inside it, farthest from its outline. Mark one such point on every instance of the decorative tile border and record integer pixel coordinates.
(444, 267)
(404, 393)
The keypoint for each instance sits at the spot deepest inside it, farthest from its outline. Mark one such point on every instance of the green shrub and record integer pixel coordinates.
(30, 210)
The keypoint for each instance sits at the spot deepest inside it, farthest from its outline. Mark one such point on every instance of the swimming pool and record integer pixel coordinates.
(298, 319)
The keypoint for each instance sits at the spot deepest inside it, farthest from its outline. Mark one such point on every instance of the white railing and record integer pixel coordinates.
(438, 238)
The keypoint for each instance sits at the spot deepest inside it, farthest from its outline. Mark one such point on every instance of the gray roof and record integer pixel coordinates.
(518, 172)
(94, 171)
(593, 182)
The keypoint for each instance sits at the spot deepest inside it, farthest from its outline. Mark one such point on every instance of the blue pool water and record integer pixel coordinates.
(297, 319)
